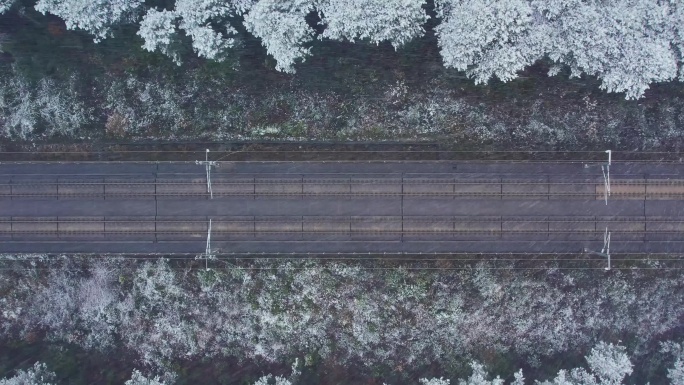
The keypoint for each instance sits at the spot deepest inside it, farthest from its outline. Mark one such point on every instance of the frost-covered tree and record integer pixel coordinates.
(486, 37)
(282, 28)
(395, 21)
(434, 381)
(5, 5)
(158, 29)
(269, 379)
(196, 18)
(96, 17)
(38, 374)
(137, 378)
(156, 295)
(518, 378)
(625, 43)
(608, 363)
(628, 44)
(479, 376)
(204, 21)
(49, 106)
(270, 311)
(676, 372)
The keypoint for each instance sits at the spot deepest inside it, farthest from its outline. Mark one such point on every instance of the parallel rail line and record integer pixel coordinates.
(219, 194)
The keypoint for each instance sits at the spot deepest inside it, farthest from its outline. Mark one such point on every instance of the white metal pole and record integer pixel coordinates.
(605, 251)
(610, 160)
(209, 190)
(608, 251)
(606, 186)
(208, 165)
(207, 252)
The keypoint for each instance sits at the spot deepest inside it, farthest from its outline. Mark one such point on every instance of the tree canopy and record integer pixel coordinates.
(627, 44)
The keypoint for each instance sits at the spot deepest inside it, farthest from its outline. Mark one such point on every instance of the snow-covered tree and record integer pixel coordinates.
(196, 18)
(137, 378)
(608, 363)
(434, 381)
(628, 44)
(158, 29)
(204, 21)
(518, 378)
(94, 16)
(272, 310)
(38, 374)
(282, 28)
(676, 373)
(487, 37)
(625, 43)
(395, 21)
(5, 5)
(479, 376)
(277, 380)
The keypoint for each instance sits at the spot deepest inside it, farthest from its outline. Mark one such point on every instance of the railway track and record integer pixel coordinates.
(625, 189)
(339, 207)
(360, 227)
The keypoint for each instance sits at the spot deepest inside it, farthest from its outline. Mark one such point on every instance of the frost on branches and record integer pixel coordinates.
(48, 106)
(138, 378)
(479, 376)
(281, 26)
(486, 37)
(628, 44)
(434, 381)
(5, 5)
(625, 43)
(158, 29)
(197, 19)
(676, 372)
(272, 311)
(395, 21)
(94, 16)
(38, 374)
(608, 363)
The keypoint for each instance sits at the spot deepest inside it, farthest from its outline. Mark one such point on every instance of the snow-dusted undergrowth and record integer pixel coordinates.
(272, 311)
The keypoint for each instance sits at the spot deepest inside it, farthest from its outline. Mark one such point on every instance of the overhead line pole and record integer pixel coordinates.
(605, 251)
(605, 169)
(606, 176)
(208, 253)
(207, 163)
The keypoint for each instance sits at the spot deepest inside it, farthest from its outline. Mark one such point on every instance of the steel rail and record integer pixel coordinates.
(361, 232)
(324, 160)
(537, 195)
(340, 181)
(204, 144)
(344, 218)
(361, 257)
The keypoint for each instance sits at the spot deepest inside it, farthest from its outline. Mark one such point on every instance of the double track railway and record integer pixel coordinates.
(351, 207)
